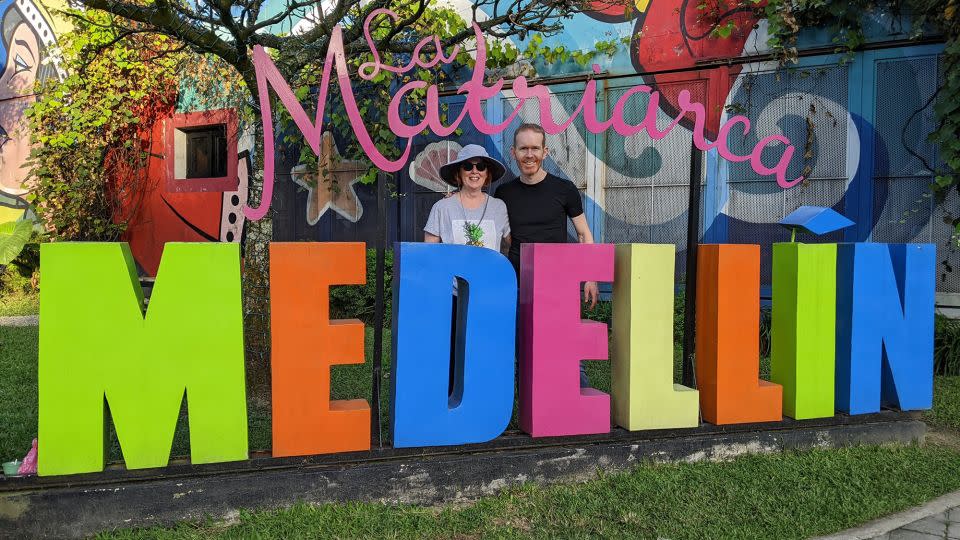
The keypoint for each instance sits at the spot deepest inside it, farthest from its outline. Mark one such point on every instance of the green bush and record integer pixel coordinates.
(359, 301)
(946, 346)
(604, 313)
(21, 275)
(12, 282)
(766, 317)
(679, 309)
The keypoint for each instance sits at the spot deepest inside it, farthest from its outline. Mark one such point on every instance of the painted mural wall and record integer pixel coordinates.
(864, 123)
(28, 34)
(862, 126)
(171, 211)
(177, 209)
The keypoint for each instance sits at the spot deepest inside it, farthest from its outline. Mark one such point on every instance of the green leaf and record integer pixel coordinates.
(13, 236)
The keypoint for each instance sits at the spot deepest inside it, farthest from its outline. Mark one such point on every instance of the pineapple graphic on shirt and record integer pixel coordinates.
(474, 234)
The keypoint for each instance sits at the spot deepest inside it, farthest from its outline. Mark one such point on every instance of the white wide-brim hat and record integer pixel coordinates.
(471, 151)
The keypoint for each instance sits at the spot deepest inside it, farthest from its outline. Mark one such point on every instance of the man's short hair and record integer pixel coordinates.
(537, 128)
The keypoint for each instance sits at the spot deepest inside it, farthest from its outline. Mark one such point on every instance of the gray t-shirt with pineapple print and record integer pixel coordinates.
(455, 224)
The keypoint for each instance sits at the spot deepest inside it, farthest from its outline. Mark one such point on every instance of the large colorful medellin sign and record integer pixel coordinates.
(853, 329)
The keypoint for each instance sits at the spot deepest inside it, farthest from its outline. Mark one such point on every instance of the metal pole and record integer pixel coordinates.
(378, 311)
(690, 281)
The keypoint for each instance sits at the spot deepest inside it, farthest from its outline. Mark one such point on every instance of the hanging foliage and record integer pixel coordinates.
(91, 130)
(786, 18)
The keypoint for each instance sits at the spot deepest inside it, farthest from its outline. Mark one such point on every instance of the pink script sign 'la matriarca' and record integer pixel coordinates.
(475, 92)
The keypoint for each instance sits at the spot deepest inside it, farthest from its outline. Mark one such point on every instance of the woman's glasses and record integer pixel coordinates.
(467, 166)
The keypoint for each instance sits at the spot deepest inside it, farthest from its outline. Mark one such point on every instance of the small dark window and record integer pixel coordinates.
(206, 151)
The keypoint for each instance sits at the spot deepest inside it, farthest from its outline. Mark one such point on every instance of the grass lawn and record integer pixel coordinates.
(18, 397)
(18, 402)
(18, 390)
(946, 404)
(792, 495)
(789, 495)
(19, 304)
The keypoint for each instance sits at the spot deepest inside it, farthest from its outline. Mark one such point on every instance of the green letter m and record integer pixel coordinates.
(95, 342)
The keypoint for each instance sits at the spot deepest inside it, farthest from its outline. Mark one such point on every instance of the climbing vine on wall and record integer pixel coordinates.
(786, 18)
(91, 131)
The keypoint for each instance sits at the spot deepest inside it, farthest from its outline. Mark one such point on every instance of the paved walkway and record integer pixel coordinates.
(23, 320)
(938, 519)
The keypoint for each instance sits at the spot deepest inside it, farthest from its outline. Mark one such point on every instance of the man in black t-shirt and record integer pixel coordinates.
(538, 205)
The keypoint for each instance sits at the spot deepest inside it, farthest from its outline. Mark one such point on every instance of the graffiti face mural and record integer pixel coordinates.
(19, 75)
(26, 35)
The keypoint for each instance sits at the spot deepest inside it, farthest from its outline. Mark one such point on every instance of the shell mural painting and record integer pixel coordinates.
(425, 168)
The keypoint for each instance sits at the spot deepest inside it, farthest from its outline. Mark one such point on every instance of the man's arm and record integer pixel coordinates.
(584, 236)
(590, 290)
(507, 238)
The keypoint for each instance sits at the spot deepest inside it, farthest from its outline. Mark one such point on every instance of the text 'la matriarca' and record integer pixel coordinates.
(475, 93)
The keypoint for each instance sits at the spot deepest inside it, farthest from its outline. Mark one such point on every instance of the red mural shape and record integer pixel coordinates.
(680, 35)
(164, 208)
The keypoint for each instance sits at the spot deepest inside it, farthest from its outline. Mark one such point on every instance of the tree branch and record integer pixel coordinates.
(165, 21)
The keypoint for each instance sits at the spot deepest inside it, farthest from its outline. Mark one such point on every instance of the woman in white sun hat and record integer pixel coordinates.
(470, 216)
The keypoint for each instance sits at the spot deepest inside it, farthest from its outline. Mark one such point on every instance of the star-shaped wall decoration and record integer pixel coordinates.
(331, 185)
